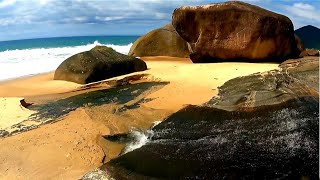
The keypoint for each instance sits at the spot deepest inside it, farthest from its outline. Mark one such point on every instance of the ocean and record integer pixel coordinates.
(33, 56)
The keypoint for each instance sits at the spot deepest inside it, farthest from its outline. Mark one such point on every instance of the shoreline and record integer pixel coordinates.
(24, 77)
(150, 58)
(172, 69)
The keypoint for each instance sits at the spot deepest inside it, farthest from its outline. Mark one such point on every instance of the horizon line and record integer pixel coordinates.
(51, 37)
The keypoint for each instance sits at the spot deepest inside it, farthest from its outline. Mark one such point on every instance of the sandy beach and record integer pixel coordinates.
(34, 85)
(136, 90)
(180, 72)
(69, 148)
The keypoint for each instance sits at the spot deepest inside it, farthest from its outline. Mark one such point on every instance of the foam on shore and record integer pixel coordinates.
(17, 63)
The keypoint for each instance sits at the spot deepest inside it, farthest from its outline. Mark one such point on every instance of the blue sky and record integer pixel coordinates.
(23, 19)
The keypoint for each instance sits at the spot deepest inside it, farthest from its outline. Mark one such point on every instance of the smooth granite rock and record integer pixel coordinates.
(164, 41)
(99, 63)
(235, 31)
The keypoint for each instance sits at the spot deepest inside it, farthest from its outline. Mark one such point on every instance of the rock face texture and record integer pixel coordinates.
(299, 43)
(310, 52)
(164, 41)
(310, 36)
(270, 142)
(296, 78)
(262, 126)
(235, 31)
(99, 63)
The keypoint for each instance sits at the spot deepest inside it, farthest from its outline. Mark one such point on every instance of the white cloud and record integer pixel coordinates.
(6, 3)
(303, 6)
(304, 10)
(92, 11)
(160, 15)
(44, 2)
(81, 19)
(109, 18)
(124, 13)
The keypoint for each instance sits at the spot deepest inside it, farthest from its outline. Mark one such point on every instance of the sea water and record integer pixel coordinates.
(33, 56)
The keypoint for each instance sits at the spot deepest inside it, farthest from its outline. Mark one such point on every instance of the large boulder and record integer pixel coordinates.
(310, 36)
(235, 31)
(99, 63)
(164, 41)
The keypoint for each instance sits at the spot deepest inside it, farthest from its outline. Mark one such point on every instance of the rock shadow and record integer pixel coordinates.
(117, 95)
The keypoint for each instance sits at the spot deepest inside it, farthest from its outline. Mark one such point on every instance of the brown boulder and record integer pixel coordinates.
(164, 41)
(99, 63)
(299, 43)
(309, 52)
(235, 31)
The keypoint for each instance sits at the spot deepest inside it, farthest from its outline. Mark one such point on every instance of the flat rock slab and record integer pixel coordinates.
(295, 78)
(270, 142)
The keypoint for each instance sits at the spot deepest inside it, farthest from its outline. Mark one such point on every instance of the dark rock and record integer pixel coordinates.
(3, 133)
(164, 41)
(235, 30)
(310, 36)
(99, 63)
(310, 52)
(24, 103)
(198, 142)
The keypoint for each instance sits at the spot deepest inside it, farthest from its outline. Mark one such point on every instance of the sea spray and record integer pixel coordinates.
(139, 138)
(17, 63)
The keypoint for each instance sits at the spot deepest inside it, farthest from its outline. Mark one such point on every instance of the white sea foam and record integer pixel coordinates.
(155, 123)
(140, 139)
(17, 63)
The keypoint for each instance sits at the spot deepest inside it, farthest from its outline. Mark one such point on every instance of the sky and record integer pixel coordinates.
(26, 19)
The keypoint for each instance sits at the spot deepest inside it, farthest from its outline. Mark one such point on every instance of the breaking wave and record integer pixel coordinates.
(17, 63)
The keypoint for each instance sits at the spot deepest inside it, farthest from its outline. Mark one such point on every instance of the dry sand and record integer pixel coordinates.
(12, 112)
(194, 83)
(64, 150)
(35, 85)
(68, 149)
